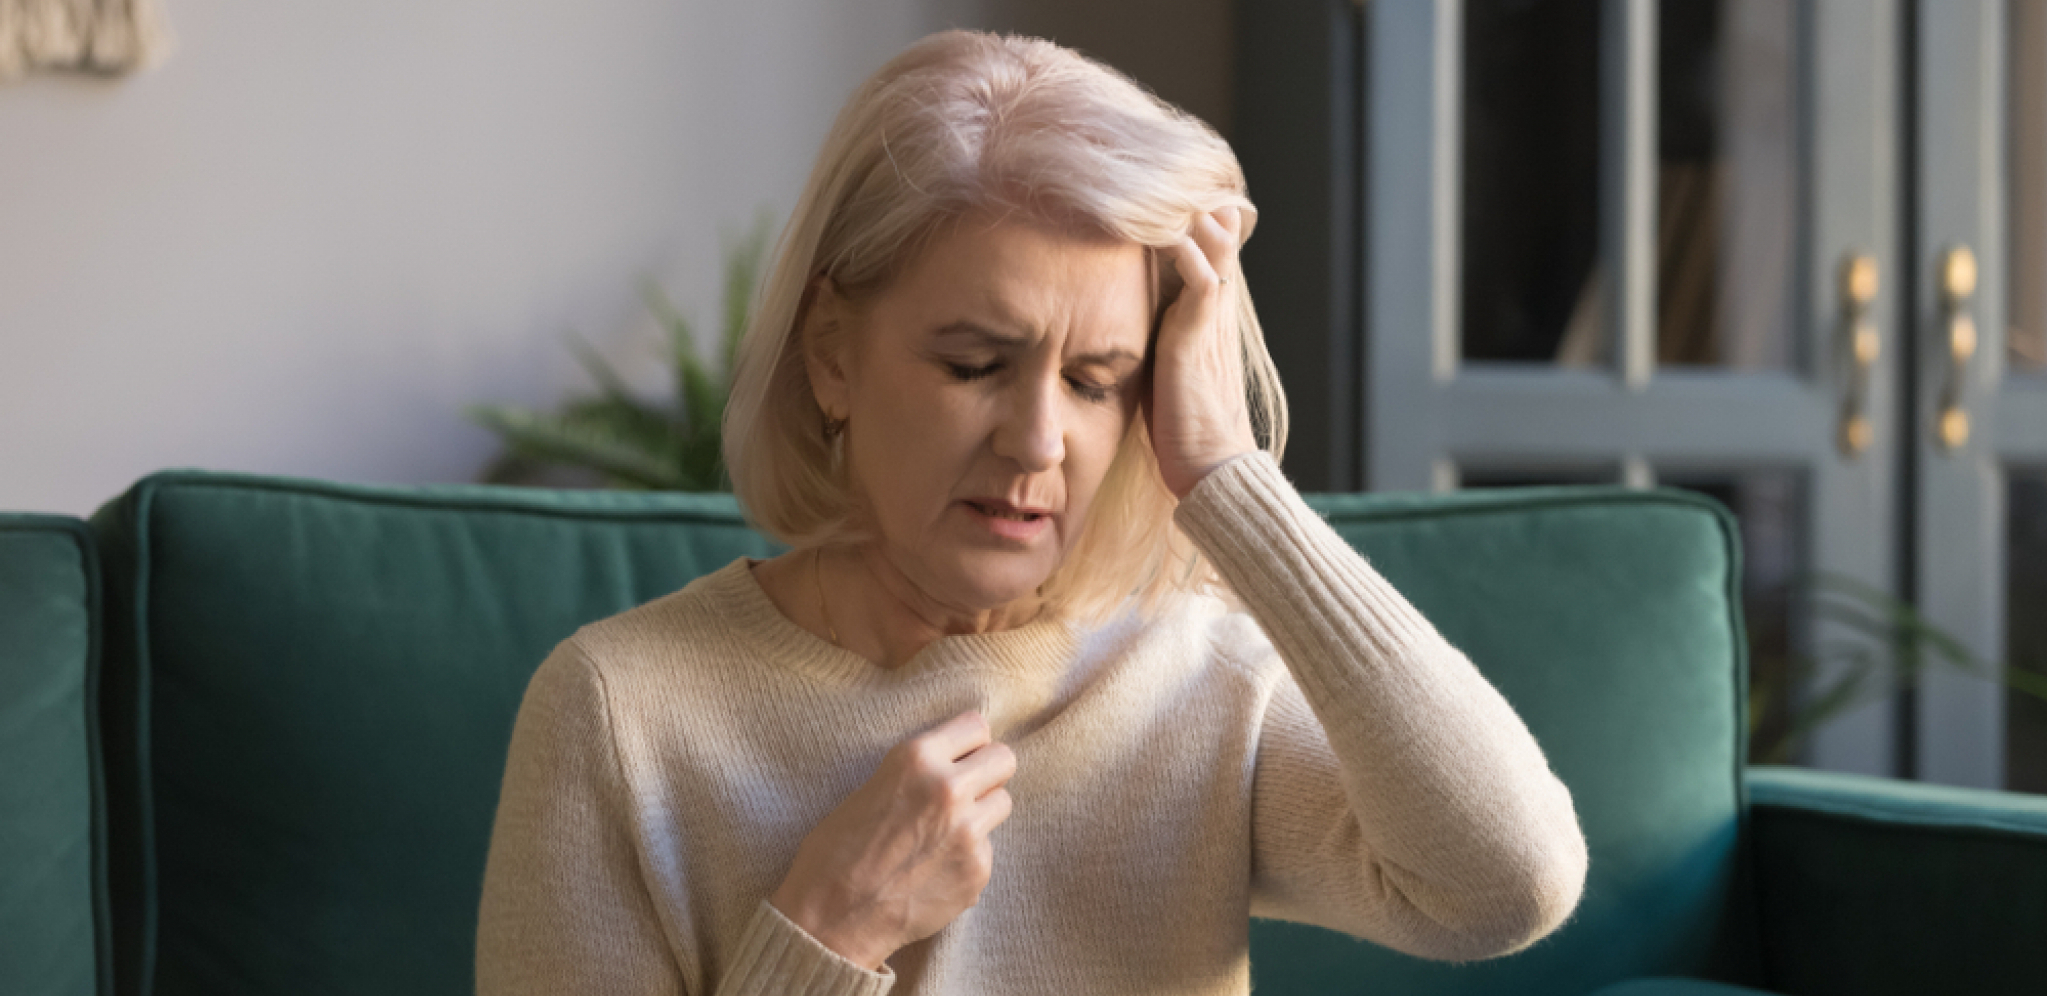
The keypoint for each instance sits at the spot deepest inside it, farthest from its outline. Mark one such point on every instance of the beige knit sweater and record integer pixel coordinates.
(1327, 758)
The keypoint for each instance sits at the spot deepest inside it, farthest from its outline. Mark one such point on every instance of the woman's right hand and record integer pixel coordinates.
(908, 851)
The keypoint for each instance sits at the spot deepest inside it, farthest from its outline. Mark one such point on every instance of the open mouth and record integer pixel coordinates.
(1003, 513)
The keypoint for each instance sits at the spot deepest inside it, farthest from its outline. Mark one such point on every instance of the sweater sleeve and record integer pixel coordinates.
(1396, 796)
(566, 908)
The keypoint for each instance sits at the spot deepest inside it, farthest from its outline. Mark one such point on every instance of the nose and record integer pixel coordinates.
(1033, 432)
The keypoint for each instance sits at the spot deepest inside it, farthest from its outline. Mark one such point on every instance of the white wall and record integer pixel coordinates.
(312, 235)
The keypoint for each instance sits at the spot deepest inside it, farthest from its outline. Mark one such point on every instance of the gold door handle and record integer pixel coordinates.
(1862, 345)
(1957, 289)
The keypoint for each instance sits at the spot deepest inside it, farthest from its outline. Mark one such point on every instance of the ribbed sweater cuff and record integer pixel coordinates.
(1288, 565)
(776, 957)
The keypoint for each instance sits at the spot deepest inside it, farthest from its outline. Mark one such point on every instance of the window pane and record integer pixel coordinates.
(2025, 614)
(2026, 340)
(1531, 174)
(1727, 182)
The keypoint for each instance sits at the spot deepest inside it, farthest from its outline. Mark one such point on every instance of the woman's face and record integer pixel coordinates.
(986, 390)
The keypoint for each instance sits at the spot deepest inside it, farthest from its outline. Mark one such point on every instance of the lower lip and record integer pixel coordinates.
(1011, 529)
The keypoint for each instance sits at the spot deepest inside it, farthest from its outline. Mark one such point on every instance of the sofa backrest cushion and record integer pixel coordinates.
(52, 900)
(1610, 619)
(318, 684)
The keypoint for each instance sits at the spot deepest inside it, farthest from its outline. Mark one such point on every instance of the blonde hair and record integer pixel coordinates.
(965, 122)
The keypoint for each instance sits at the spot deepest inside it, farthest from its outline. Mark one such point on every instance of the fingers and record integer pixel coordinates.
(973, 772)
(1195, 307)
(956, 737)
(1247, 222)
(1198, 278)
(985, 769)
(1206, 258)
(1218, 234)
(990, 811)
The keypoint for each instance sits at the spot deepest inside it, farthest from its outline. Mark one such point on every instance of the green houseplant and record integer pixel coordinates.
(621, 439)
(1875, 645)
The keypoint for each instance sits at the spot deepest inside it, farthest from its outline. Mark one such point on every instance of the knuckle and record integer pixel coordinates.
(925, 758)
(1000, 762)
(904, 754)
(966, 839)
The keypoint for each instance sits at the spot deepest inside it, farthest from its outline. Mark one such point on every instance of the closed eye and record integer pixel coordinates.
(1091, 392)
(964, 372)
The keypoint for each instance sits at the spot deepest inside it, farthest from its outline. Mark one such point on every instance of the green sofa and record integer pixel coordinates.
(305, 691)
(53, 900)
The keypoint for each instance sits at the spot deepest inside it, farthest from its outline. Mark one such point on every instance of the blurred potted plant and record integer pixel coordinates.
(621, 439)
(1880, 645)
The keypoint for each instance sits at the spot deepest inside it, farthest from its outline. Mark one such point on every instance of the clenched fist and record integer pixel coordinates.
(908, 851)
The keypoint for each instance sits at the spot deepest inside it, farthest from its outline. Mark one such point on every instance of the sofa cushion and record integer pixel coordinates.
(1610, 619)
(51, 888)
(314, 687)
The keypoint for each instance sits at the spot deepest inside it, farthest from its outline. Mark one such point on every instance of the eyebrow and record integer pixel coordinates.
(1012, 341)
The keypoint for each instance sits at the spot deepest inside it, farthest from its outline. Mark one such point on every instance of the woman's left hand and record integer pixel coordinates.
(1196, 410)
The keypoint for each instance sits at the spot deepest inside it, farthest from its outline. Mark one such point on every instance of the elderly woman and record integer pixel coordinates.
(1061, 683)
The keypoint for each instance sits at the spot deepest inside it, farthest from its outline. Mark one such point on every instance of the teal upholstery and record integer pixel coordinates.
(1609, 619)
(1878, 887)
(52, 892)
(317, 685)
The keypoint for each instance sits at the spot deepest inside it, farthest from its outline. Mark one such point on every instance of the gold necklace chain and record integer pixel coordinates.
(817, 570)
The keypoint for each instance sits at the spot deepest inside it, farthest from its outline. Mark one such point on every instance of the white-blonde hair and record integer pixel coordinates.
(968, 122)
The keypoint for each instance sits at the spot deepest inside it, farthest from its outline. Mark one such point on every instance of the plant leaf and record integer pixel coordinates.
(630, 441)
(599, 369)
(548, 438)
(2030, 682)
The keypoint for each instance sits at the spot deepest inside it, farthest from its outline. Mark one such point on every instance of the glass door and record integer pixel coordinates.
(2021, 393)
(1649, 242)
(1978, 419)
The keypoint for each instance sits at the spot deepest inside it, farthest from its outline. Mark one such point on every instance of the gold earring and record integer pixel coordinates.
(833, 427)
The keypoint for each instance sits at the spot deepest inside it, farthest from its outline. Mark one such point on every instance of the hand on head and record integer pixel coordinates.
(1196, 409)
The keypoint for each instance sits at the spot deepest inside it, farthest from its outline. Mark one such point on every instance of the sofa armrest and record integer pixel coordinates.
(1876, 886)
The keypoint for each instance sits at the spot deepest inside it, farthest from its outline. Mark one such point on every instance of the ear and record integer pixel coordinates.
(825, 345)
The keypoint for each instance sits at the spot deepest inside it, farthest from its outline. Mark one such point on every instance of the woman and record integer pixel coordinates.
(991, 726)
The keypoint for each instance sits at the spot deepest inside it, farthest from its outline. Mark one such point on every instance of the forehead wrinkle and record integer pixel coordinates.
(1007, 340)
(1069, 294)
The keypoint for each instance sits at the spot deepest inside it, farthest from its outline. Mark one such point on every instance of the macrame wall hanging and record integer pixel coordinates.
(103, 37)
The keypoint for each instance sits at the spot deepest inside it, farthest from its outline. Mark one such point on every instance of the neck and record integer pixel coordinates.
(882, 616)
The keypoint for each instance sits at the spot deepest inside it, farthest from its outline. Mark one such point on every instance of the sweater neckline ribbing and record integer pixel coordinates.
(1041, 648)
